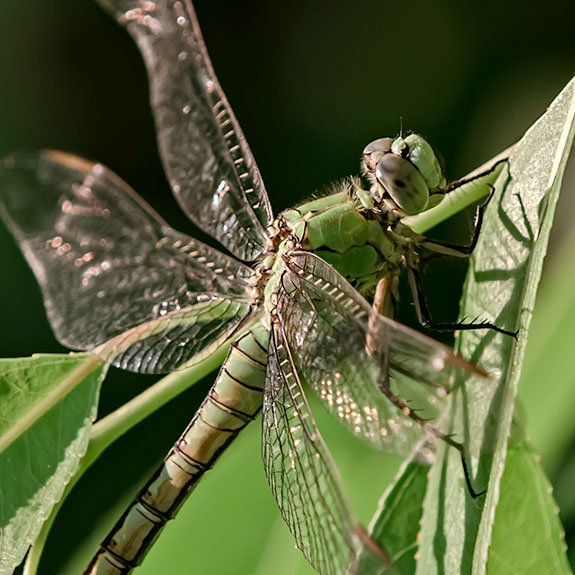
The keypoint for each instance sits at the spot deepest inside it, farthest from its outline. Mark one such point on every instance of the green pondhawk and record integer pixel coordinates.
(119, 281)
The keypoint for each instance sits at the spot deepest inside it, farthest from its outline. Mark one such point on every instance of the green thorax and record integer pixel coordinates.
(361, 243)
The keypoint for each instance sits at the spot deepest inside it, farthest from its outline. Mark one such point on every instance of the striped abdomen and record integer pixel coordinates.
(233, 401)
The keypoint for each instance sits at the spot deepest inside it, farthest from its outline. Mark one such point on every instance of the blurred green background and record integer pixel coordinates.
(311, 84)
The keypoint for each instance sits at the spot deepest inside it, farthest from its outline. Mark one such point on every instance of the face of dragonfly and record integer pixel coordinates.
(118, 280)
(403, 173)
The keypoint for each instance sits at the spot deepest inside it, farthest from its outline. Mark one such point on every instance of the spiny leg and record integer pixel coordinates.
(411, 413)
(422, 310)
(384, 302)
(457, 250)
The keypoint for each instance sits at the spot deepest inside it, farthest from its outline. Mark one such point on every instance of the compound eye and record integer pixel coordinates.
(374, 151)
(403, 182)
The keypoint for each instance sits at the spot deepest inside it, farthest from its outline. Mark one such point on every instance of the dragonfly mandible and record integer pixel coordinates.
(292, 298)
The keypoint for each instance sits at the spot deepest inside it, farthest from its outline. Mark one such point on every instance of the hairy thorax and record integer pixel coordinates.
(364, 244)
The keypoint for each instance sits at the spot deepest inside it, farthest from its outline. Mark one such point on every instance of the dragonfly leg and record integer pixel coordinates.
(449, 249)
(384, 303)
(422, 310)
(412, 414)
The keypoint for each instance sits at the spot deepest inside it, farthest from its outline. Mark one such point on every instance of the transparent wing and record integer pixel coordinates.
(181, 338)
(328, 322)
(300, 470)
(107, 263)
(208, 161)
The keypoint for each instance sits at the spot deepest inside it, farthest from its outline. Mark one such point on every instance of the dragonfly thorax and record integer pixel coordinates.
(361, 243)
(404, 173)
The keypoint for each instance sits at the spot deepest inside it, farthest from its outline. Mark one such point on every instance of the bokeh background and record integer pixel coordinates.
(311, 83)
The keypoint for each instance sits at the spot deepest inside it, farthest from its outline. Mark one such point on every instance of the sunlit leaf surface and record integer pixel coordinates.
(538, 546)
(501, 284)
(456, 531)
(35, 468)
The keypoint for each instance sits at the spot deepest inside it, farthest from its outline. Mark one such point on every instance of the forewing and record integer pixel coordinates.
(347, 354)
(300, 470)
(208, 161)
(181, 338)
(107, 263)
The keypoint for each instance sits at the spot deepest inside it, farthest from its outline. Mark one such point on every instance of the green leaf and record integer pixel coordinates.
(501, 286)
(549, 407)
(114, 425)
(396, 524)
(456, 531)
(25, 401)
(537, 546)
(43, 453)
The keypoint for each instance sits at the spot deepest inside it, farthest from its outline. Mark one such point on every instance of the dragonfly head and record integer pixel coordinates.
(403, 173)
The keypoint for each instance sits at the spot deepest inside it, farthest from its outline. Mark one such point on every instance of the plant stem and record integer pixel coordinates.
(111, 427)
(114, 425)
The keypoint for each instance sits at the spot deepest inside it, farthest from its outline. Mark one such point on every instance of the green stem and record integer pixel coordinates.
(114, 425)
(461, 197)
(111, 427)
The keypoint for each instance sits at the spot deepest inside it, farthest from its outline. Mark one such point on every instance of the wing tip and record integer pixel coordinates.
(470, 367)
(69, 160)
(373, 546)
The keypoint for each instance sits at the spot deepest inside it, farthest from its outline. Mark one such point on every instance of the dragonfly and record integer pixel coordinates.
(304, 298)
